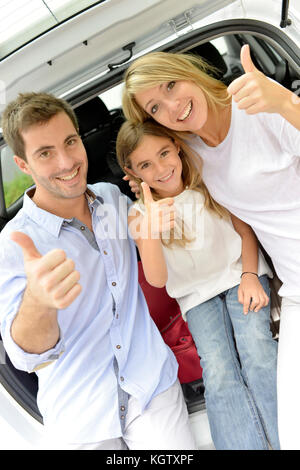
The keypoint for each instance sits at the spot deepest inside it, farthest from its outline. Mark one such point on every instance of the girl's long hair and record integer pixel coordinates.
(129, 138)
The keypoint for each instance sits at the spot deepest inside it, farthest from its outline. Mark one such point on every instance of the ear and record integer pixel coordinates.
(20, 162)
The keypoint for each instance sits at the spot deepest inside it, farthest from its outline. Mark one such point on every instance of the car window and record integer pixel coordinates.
(15, 182)
(112, 98)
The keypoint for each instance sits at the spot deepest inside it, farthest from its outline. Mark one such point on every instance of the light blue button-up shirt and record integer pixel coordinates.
(109, 346)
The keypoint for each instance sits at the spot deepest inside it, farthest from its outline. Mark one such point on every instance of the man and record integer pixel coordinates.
(106, 379)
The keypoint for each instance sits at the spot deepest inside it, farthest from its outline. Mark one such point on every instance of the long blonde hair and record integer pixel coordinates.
(129, 138)
(156, 68)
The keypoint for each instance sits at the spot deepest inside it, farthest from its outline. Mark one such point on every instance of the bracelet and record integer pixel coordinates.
(247, 272)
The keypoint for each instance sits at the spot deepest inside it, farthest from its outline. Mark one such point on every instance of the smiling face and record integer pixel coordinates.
(56, 160)
(156, 161)
(179, 105)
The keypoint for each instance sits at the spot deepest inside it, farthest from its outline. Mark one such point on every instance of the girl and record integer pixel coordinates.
(249, 140)
(196, 252)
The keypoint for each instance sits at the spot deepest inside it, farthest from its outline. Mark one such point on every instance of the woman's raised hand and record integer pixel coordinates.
(254, 92)
(159, 216)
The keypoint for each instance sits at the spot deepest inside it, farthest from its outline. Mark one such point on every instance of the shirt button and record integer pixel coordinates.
(122, 408)
(118, 346)
(105, 252)
(82, 227)
(113, 283)
(122, 379)
(122, 417)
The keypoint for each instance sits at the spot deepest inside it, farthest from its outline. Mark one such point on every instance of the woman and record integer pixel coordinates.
(249, 140)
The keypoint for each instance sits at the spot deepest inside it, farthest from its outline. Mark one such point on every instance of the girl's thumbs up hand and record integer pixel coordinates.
(254, 92)
(159, 216)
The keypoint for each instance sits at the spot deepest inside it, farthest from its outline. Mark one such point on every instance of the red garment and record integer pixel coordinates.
(166, 314)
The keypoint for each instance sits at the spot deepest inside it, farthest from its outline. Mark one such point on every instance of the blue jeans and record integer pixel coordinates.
(239, 361)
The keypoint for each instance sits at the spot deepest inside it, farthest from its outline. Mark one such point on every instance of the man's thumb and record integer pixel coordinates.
(246, 60)
(28, 247)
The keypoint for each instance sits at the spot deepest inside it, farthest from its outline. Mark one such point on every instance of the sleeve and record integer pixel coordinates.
(290, 138)
(12, 286)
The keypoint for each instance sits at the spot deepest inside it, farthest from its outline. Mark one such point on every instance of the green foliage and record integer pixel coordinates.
(15, 188)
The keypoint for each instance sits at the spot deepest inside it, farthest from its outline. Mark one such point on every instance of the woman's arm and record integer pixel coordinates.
(251, 293)
(146, 230)
(255, 93)
(290, 108)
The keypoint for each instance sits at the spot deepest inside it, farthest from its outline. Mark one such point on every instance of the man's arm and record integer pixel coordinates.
(52, 284)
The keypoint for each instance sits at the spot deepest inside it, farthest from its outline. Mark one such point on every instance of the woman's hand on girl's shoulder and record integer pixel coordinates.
(254, 92)
(251, 294)
(133, 186)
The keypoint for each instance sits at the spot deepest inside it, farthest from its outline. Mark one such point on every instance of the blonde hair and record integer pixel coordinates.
(129, 138)
(156, 68)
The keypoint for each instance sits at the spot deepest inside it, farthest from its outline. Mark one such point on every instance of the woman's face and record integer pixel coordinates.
(178, 105)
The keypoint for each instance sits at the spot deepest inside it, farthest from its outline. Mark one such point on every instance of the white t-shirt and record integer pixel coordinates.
(208, 264)
(255, 174)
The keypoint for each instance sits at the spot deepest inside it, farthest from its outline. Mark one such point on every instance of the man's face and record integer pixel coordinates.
(56, 159)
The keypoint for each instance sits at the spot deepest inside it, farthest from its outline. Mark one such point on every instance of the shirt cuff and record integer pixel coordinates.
(23, 360)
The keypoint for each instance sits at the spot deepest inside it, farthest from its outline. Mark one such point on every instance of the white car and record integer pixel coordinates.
(79, 51)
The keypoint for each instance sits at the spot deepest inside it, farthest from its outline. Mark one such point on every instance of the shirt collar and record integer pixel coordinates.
(51, 222)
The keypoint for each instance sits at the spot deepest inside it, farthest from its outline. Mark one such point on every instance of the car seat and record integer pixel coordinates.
(98, 128)
(224, 72)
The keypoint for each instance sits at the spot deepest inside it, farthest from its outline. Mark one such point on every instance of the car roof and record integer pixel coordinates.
(22, 22)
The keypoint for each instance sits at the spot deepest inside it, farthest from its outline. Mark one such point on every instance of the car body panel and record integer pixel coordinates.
(80, 49)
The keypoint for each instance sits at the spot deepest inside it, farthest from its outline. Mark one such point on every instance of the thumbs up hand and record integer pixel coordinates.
(253, 91)
(159, 216)
(52, 281)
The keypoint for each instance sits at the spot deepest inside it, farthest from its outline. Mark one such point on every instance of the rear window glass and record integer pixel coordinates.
(15, 182)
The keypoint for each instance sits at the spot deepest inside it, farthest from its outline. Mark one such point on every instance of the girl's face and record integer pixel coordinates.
(178, 105)
(157, 163)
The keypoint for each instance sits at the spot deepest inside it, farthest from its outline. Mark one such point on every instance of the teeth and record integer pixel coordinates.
(186, 112)
(67, 178)
(166, 177)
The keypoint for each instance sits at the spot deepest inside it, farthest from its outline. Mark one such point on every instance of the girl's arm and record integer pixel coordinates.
(250, 293)
(151, 254)
(146, 230)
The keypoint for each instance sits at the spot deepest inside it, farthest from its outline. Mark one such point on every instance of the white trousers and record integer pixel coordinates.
(288, 377)
(163, 425)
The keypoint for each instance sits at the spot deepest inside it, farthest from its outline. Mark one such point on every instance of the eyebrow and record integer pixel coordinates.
(157, 153)
(49, 147)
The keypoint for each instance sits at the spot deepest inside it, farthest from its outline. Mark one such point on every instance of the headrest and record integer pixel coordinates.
(212, 56)
(91, 115)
